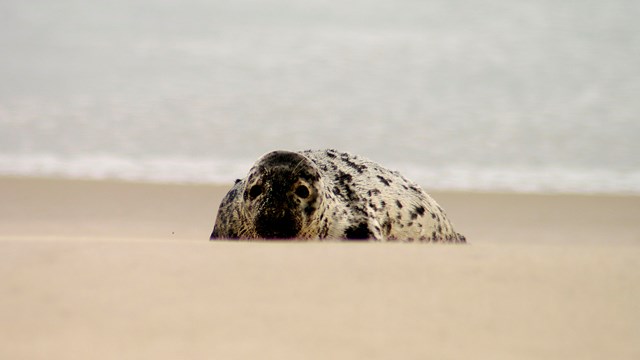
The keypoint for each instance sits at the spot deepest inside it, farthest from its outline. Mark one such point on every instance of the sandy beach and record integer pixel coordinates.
(104, 270)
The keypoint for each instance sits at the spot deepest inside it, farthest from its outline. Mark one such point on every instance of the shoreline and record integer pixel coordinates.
(111, 209)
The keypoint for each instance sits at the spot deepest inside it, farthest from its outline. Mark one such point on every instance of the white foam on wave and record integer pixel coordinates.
(174, 169)
(184, 170)
(526, 179)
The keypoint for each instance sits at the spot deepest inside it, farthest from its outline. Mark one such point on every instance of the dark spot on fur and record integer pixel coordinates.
(387, 182)
(237, 181)
(344, 181)
(433, 215)
(309, 210)
(360, 209)
(386, 226)
(383, 204)
(359, 232)
(357, 167)
(323, 232)
(420, 210)
(351, 195)
(373, 192)
(331, 154)
(399, 204)
(343, 177)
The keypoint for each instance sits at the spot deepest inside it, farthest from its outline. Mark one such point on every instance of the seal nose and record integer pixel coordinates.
(277, 227)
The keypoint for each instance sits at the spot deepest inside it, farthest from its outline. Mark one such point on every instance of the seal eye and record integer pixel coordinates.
(255, 191)
(302, 191)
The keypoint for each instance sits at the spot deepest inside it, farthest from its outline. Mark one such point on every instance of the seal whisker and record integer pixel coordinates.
(295, 169)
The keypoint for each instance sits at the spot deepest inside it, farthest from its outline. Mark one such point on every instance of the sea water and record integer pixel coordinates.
(523, 95)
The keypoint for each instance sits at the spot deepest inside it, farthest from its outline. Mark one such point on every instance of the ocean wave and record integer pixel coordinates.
(458, 177)
(172, 169)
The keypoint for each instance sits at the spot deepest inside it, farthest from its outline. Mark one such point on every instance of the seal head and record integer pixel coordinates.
(281, 195)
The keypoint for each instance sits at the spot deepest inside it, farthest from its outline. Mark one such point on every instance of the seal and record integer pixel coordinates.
(327, 194)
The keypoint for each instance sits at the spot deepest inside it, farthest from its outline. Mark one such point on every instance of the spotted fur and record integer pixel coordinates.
(327, 194)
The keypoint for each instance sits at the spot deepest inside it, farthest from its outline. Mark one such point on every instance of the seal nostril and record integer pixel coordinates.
(302, 191)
